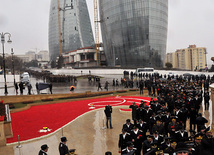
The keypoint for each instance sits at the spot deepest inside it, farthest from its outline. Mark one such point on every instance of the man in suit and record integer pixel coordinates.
(156, 107)
(137, 139)
(158, 139)
(181, 135)
(206, 101)
(44, 149)
(134, 108)
(192, 116)
(128, 126)
(143, 127)
(63, 148)
(207, 142)
(129, 150)
(124, 138)
(147, 144)
(200, 121)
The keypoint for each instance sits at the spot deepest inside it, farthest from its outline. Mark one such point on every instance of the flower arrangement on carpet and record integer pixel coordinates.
(45, 129)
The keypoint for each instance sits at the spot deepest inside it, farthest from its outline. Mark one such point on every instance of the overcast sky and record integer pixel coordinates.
(190, 22)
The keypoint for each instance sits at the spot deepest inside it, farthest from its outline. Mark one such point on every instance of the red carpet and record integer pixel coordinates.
(28, 123)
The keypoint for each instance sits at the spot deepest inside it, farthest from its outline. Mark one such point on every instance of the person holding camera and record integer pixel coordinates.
(108, 111)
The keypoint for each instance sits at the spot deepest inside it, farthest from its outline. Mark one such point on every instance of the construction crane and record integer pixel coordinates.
(96, 27)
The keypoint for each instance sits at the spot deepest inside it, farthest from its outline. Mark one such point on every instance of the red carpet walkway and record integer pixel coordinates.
(28, 124)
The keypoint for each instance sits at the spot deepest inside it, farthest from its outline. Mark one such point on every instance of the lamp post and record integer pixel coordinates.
(3, 41)
(12, 53)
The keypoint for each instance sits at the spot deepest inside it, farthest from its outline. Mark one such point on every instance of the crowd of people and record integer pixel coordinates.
(168, 124)
(171, 123)
(49, 77)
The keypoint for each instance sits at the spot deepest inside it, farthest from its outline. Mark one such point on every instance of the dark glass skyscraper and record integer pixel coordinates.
(134, 32)
(75, 26)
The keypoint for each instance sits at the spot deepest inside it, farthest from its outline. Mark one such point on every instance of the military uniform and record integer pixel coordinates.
(63, 148)
(44, 149)
(129, 150)
(137, 139)
(124, 138)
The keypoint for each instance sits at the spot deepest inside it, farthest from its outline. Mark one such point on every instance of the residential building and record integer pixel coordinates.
(191, 58)
(31, 55)
(134, 32)
(24, 58)
(73, 29)
(43, 56)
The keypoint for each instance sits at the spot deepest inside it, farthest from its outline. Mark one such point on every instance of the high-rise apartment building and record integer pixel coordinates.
(74, 25)
(134, 32)
(191, 58)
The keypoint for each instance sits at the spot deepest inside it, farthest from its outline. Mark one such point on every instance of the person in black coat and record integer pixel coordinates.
(21, 87)
(197, 102)
(108, 111)
(147, 113)
(143, 127)
(206, 101)
(158, 127)
(129, 150)
(141, 86)
(128, 126)
(99, 86)
(137, 139)
(192, 116)
(207, 143)
(50, 88)
(184, 115)
(44, 149)
(124, 138)
(147, 144)
(63, 148)
(134, 108)
(156, 107)
(158, 139)
(181, 135)
(200, 121)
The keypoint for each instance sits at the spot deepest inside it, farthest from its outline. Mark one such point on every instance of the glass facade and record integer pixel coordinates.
(134, 32)
(76, 31)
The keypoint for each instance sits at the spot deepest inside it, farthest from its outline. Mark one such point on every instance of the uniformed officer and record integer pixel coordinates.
(134, 108)
(197, 143)
(129, 150)
(44, 149)
(207, 142)
(190, 146)
(159, 128)
(171, 149)
(147, 144)
(172, 127)
(124, 138)
(137, 139)
(128, 126)
(181, 135)
(181, 149)
(63, 148)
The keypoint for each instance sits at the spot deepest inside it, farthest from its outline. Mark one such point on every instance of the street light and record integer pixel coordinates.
(12, 53)
(3, 41)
